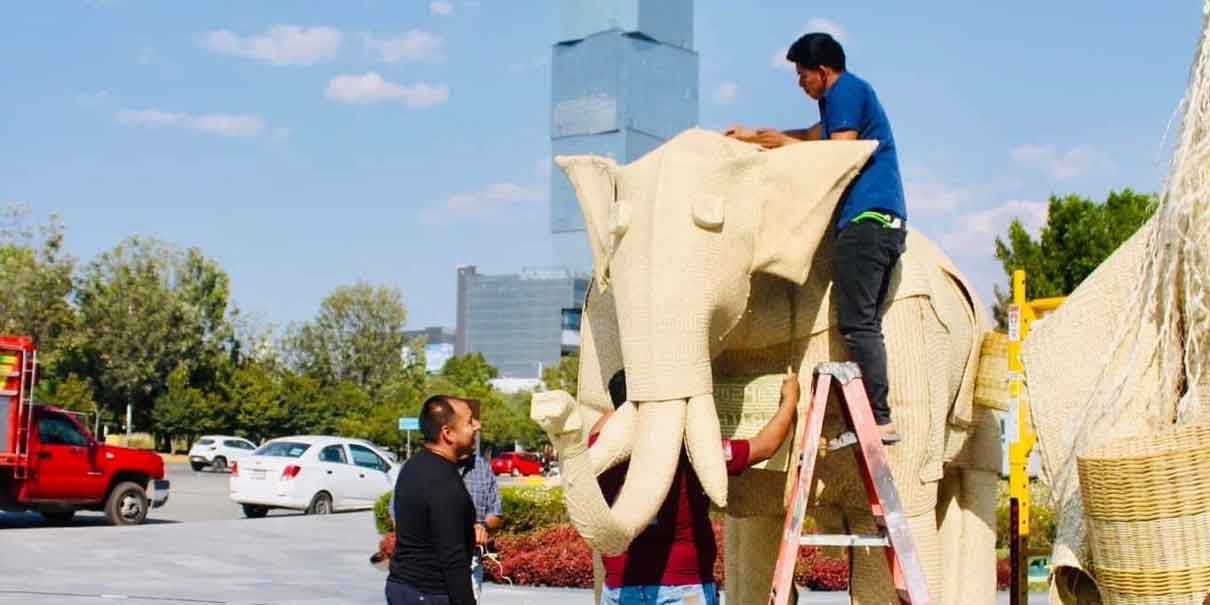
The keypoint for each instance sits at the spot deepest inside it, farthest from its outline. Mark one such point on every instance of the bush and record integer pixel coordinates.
(1004, 574)
(138, 441)
(530, 508)
(558, 556)
(382, 515)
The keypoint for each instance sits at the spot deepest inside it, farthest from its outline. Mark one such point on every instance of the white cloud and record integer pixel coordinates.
(973, 233)
(493, 203)
(412, 46)
(227, 125)
(814, 24)
(726, 93)
(372, 88)
(1061, 165)
(279, 45)
(441, 7)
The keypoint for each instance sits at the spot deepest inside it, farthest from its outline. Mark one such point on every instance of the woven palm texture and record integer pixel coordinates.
(1090, 387)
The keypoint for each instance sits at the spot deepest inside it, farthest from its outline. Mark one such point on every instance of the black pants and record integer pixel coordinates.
(404, 594)
(866, 253)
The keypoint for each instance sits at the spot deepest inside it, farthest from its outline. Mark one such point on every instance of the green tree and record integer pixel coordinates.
(563, 377)
(1078, 236)
(181, 411)
(145, 308)
(36, 283)
(357, 337)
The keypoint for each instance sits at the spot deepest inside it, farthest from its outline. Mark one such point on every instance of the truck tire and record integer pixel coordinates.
(58, 517)
(219, 464)
(127, 504)
(197, 466)
(255, 511)
(321, 504)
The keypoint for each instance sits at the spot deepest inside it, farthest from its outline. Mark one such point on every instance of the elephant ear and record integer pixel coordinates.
(802, 186)
(593, 178)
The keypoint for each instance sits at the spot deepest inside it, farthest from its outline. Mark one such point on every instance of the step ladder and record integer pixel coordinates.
(894, 535)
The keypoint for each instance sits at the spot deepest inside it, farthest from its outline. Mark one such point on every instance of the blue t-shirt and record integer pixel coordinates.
(850, 104)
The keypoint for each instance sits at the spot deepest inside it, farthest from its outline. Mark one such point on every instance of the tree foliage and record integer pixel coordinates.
(1078, 236)
(563, 377)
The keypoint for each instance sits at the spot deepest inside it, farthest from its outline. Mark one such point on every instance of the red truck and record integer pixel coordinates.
(51, 464)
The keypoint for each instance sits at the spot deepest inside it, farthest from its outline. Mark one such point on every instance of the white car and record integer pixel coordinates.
(314, 474)
(218, 451)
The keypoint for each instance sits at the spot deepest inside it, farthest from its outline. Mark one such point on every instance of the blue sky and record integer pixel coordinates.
(307, 146)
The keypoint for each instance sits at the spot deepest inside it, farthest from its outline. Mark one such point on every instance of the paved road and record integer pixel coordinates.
(199, 549)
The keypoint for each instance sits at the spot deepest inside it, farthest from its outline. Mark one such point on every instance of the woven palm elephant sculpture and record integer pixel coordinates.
(712, 268)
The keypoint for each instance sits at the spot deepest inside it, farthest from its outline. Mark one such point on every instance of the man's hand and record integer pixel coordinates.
(790, 390)
(480, 534)
(772, 138)
(741, 133)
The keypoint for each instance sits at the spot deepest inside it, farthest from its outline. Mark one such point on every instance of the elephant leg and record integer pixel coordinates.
(871, 582)
(966, 514)
(750, 553)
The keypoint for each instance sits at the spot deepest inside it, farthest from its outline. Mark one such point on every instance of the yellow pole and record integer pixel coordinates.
(1021, 439)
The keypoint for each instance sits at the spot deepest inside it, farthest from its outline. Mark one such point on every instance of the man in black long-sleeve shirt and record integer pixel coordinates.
(434, 515)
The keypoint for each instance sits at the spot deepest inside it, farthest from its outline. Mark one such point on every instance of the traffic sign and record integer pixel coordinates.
(409, 423)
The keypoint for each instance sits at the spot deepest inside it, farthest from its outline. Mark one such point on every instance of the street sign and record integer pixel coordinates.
(409, 423)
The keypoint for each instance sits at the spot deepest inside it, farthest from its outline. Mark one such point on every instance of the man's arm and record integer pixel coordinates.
(765, 443)
(448, 512)
(813, 133)
(845, 135)
(495, 510)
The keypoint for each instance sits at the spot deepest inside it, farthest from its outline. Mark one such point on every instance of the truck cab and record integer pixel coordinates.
(52, 464)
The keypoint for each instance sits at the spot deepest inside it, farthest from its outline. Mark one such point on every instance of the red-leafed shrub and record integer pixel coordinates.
(1004, 574)
(558, 556)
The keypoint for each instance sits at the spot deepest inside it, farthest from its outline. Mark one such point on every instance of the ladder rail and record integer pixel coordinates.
(25, 411)
(783, 573)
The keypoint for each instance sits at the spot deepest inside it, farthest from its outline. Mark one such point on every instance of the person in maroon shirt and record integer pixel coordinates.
(672, 561)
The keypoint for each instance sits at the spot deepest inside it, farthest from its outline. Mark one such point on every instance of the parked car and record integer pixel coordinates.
(516, 464)
(218, 451)
(315, 474)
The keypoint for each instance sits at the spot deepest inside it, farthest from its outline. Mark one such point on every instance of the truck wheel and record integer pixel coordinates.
(219, 465)
(58, 517)
(254, 511)
(516, 472)
(127, 504)
(197, 466)
(321, 504)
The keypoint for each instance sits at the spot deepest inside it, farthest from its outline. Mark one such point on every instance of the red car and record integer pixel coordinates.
(516, 464)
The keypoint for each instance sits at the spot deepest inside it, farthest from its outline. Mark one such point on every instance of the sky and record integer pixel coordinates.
(307, 145)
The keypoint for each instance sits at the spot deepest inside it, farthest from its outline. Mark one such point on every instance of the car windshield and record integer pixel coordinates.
(283, 449)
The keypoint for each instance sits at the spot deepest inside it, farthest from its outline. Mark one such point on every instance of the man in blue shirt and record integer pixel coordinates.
(870, 222)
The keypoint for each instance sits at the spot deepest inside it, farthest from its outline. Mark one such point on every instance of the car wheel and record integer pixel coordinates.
(255, 511)
(516, 472)
(127, 504)
(59, 517)
(197, 466)
(321, 504)
(219, 465)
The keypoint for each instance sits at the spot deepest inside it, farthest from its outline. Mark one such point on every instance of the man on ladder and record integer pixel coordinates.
(870, 225)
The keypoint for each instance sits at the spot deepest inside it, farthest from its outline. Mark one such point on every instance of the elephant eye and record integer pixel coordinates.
(708, 211)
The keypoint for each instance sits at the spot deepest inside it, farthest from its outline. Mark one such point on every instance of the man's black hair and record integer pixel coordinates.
(617, 388)
(816, 49)
(436, 412)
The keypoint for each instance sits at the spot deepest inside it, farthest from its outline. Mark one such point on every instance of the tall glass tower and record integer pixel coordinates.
(624, 80)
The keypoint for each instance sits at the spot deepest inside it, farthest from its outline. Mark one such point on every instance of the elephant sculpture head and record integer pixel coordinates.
(675, 237)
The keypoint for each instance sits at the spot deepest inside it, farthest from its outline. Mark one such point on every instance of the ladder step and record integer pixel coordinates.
(844, 540)
(842, 441)
(5, 393)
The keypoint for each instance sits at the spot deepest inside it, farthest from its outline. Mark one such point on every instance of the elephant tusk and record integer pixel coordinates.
(613, 445)
(653, 463)
(704, 442)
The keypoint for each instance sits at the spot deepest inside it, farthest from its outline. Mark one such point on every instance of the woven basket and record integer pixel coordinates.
(1147, 503)
(991, 383)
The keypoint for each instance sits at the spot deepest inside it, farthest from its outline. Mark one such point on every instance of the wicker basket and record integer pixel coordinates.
(1147, 503)
(991, 383)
